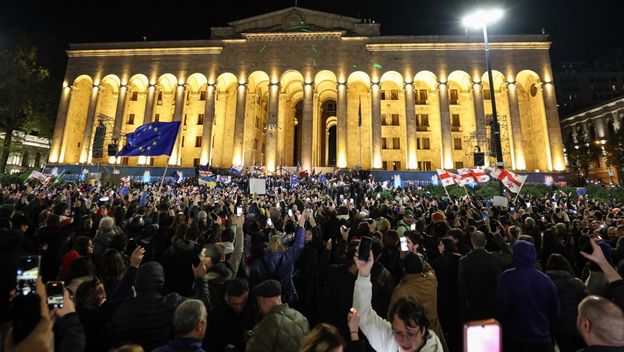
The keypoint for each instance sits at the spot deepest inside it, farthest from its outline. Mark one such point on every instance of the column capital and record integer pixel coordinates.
(275, 84)
(405, 84)
(210, 84)
(308, 84)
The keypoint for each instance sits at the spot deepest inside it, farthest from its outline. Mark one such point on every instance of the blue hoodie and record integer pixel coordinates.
(528, 303)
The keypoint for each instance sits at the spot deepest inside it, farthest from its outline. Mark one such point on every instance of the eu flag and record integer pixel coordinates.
(151, 139)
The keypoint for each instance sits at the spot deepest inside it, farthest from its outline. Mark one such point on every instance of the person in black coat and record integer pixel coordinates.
(177, 262)
(477, 280)
(571, 292)
(147, 318)
(229, 323)
(446, 268)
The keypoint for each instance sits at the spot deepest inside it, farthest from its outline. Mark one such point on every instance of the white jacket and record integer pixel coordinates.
(377, 330)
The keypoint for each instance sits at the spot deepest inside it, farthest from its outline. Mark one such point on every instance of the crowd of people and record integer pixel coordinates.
(185, 267)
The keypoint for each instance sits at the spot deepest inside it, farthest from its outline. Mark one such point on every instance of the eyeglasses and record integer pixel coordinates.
(405, 335)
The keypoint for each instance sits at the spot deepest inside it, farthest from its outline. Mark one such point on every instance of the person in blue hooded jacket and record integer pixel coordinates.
(528, 303)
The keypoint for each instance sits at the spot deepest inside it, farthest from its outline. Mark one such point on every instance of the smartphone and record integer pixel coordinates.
(485, 215)
(482, 335)
(27, 273)
(269, 222)
(512, 210)
(413, 226)
(239, 211)
(290, 213)
(55, 291)
(365, 247)
(404, 247)
(351, 200)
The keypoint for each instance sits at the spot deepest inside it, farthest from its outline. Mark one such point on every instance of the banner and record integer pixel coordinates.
(257, 186)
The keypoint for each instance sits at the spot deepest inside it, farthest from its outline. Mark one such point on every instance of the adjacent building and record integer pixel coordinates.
(595, 125)
(298, 86)
(27, 151)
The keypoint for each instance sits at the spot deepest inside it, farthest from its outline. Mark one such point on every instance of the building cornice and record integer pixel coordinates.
(595, 111)
(277, 36)
(209, 50)
(457, 46)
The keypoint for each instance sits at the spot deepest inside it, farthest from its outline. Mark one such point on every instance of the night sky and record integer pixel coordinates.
(578, 32)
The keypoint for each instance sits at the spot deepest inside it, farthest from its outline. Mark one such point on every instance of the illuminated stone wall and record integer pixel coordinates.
(260, 96)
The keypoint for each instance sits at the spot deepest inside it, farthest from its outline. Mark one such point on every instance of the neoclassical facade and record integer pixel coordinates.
(595, 125)
(318, 89)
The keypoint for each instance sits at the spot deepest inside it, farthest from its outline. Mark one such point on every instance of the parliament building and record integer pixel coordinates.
(320, 90)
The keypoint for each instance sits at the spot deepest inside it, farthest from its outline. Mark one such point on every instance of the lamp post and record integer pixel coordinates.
(481, 19)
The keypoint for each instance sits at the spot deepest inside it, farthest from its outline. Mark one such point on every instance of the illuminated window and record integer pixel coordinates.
(135, 96)
(157, 118)
(396, 143)
(130, 119)
(394, 94)
(457, 144)
(384, 143)
(200, 119)
(395, 119)
(421, 96)
(459, 165)
(198, 141)
(159, 99)
(424, 165)
(454, 99)
(422, 143)
(202, 95)
(486, 94)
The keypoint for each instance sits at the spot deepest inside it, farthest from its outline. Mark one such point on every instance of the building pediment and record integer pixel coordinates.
(296, 20)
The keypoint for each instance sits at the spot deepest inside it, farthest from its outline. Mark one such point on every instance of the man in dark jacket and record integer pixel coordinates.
(230, 322)
(282, 329)
(477, 279)
(147, 318)
(528, 304)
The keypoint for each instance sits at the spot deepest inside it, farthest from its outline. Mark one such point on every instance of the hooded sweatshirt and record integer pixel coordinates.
(147, 318)
(528, 303)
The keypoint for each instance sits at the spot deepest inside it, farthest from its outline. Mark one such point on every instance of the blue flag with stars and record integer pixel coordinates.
(151, 139)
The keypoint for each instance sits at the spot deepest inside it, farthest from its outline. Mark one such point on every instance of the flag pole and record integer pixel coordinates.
(520, 190)
(447, 194)
(163, 176)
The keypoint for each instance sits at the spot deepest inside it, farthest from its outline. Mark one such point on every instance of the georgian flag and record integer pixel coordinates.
(446, 178)
(466, 177)
(512, 181)
(479, 175)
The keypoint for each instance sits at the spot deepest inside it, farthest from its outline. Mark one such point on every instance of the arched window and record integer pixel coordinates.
(37, 160)
(25, 159)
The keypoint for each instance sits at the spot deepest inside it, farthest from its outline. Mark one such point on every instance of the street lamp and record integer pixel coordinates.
(481, 19)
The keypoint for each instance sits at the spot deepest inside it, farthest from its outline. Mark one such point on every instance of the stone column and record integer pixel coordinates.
(119, 111)
(477, 97)
(516, 127)
(209, 110)
(410, 126)
(239, 125)
(177, 116)
(179, 102)
(86, 137)
(306, 126)
(446, 148)
(271, 132)
(59, 126)
(554, 129)
(341, 125)
(376, 124)
(149, 104)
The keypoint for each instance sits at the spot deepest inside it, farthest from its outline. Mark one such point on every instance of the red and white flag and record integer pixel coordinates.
(466, 177)
(479, 175)
(512, 181)
(446, 178)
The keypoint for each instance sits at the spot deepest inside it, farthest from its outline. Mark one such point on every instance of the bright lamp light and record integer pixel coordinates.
(482, 18)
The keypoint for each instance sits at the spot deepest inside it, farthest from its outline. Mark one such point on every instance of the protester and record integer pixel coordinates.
(304, 232)
(189, 324)
(409, 329)
(282, 328)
